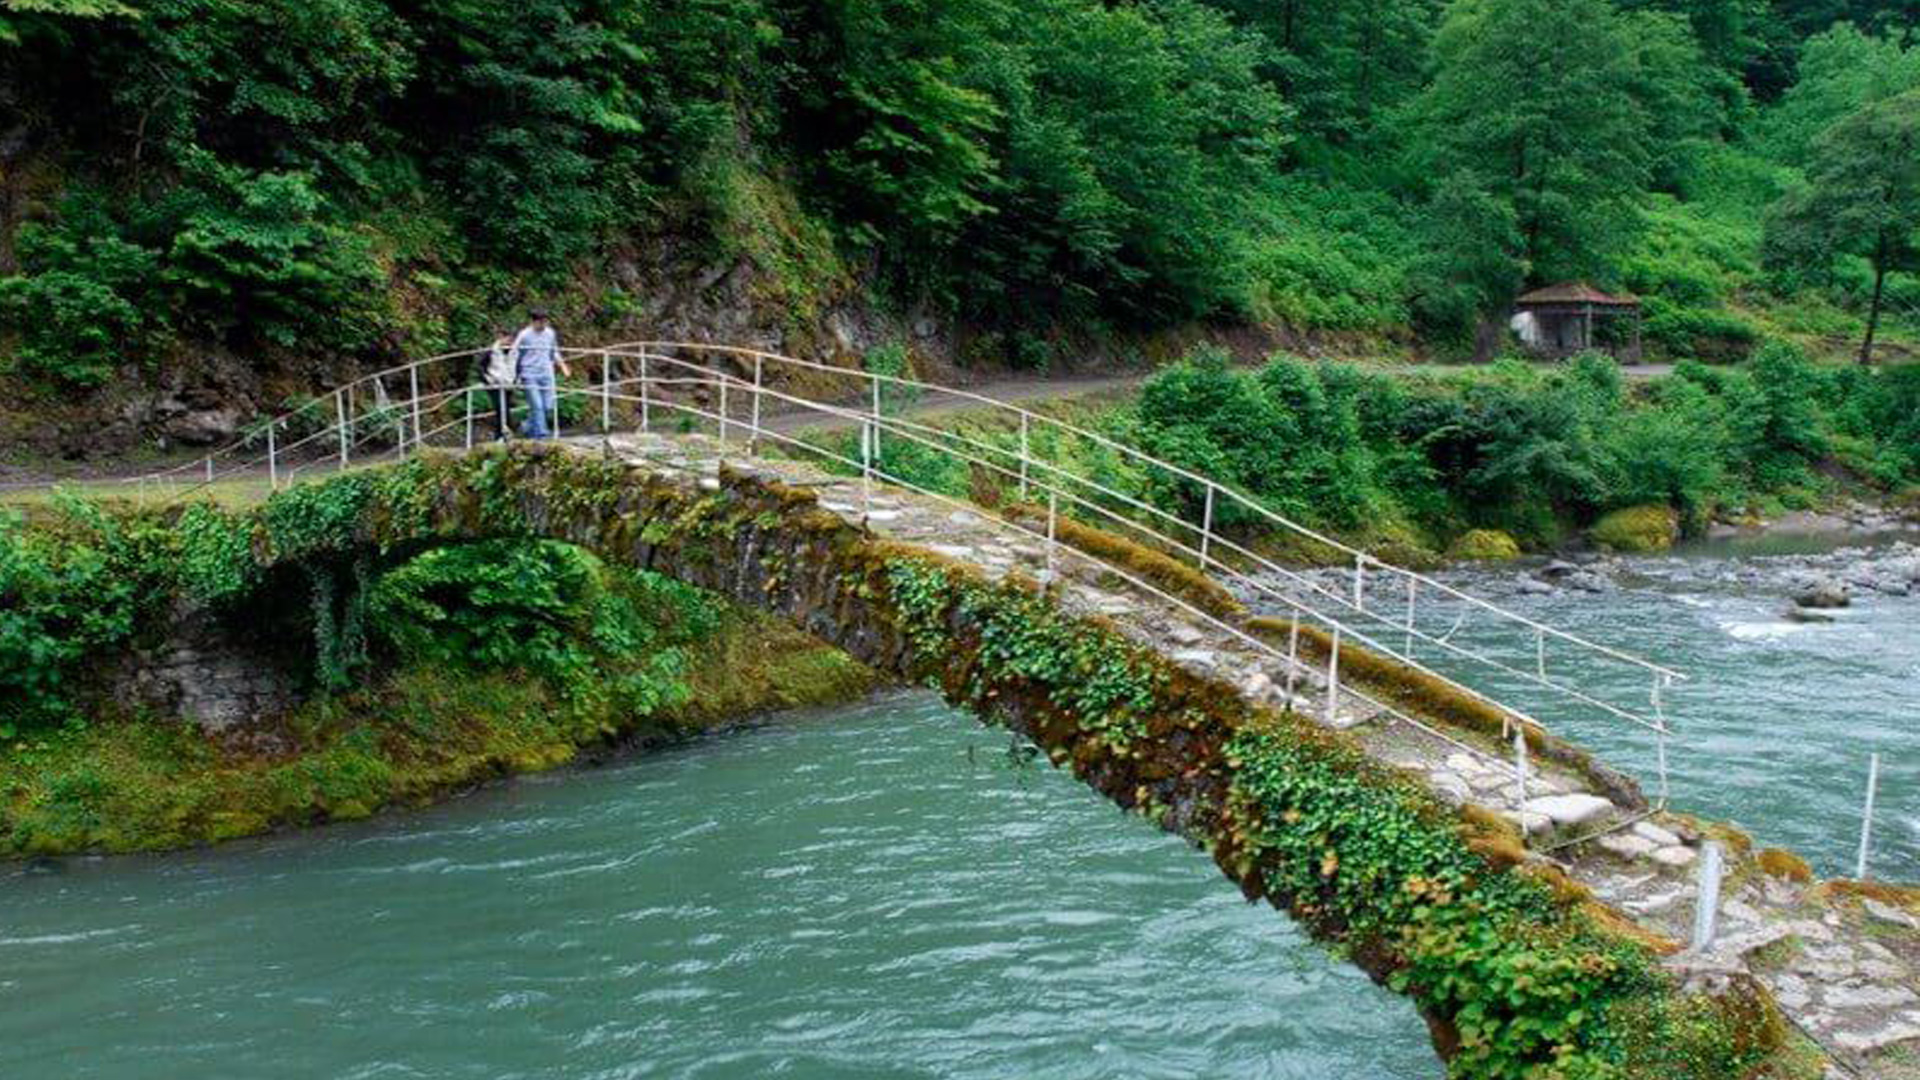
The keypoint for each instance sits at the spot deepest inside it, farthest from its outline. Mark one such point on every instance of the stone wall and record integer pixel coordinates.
(206, 672)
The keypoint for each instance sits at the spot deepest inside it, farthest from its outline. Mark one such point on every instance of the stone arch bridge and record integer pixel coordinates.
(1531, 900)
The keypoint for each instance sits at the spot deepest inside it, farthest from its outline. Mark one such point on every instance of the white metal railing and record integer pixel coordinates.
(648, 376)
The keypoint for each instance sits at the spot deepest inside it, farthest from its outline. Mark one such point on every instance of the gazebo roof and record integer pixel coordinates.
(1574, 292)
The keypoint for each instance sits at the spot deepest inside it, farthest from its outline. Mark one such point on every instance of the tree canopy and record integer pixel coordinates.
(1862, 198)
(343, 180)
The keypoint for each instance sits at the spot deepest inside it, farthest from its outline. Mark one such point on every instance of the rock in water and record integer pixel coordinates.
(1824, 593)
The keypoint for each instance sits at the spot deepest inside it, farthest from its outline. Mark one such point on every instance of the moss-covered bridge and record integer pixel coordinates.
(1534, 928)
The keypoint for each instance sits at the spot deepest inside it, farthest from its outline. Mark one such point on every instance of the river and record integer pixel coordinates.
(871, 892)
(881, 891)
(1775, 724)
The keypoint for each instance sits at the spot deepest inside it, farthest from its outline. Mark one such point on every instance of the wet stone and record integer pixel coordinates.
(1450, 787)
(1887, 913)
(1868, 996)
(1654, 833)
(1625, 845)
(1564, 810)
(1674, 856)
(1182, 634)
(1531, 823)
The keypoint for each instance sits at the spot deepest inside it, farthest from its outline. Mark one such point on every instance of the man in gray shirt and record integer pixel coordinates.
(537, 352)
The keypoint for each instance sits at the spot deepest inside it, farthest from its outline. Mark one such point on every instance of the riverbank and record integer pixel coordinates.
(413, 737)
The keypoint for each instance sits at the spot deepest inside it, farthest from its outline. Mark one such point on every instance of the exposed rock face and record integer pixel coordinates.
(202, 427)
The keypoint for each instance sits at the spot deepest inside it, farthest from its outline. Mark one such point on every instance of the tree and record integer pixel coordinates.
(1535, 103)
(1471, 261)
(1340, 63)
(1840, 71)
(1862, 198)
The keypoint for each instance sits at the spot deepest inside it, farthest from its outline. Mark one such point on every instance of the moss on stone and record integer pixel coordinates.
(1156, 568)
(1637, 529)
(1484, 545)
(1776, 862)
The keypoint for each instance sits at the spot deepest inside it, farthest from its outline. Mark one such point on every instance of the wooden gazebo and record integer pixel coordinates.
(1560, 320)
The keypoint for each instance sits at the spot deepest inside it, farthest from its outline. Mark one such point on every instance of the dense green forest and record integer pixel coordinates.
(311, 185)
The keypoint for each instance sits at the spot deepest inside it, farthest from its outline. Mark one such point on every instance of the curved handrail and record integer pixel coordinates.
(1345, 614)
(1207, 483)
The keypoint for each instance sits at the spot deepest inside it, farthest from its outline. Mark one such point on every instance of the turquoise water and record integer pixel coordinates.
(871, 892)
(1775, 725)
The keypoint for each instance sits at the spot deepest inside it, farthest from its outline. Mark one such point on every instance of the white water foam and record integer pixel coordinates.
(1771, 630)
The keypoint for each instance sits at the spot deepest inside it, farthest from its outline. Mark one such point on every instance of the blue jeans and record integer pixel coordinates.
(540, 404)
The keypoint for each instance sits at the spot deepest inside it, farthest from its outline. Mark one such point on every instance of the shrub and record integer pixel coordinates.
(1488, 545)
(68, 591)
(82, 299)
(1637, 529)
(544, 607)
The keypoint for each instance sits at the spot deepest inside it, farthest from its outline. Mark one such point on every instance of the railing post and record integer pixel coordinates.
(1293, 656)
(1866, 818)
(723, 412)
(646, 402)
(468, 397)
(1053, 522)
(606, 392)
(1521, 769)
(399, 423)
(1024, 455)
(1706, 901)
(866, 467)
(346, 429)
(1333, 679)
(753, 440)
(1413, 586)
(1660, 752)
(1660, 735)
(273, 461)
(209, 468)
(1359, 581)
(1206, 529)
(413, 385)
(876, 415)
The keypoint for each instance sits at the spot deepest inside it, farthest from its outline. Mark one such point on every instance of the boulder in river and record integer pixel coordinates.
(1823, 593)
(1484, 545)
(1637, 529)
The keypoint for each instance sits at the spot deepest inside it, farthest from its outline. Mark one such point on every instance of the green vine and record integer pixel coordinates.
(1025, 637)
